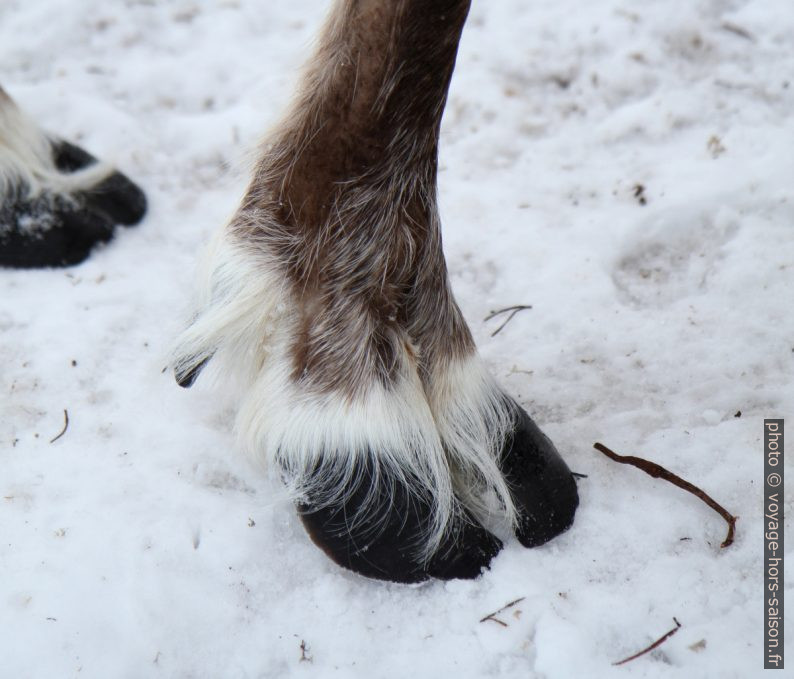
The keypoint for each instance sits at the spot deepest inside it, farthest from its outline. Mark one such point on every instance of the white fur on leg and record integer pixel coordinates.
(324, 441)
(241, 313)
(318, 440)
(473, 417)
(26, 158)
(443, 445)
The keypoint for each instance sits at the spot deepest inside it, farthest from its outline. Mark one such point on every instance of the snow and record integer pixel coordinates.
(140, 544)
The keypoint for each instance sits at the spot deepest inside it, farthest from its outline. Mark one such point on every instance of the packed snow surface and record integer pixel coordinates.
(624, 168)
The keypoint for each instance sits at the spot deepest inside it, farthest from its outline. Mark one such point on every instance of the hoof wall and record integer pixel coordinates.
(116, 197)
(48, 233)
(543, 488)
(378, 532)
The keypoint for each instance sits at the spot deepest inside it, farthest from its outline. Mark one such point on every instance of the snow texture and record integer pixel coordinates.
(625, 168)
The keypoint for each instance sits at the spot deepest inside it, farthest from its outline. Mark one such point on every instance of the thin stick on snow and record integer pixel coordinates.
(65, 426)
(513, 309)
(655, 644)
(657, 471)
(492, 616)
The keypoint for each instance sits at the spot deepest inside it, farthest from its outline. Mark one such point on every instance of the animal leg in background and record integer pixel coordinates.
(56, 200)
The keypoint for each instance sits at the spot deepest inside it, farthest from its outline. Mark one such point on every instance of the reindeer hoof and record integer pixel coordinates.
(51, 230)
(464, 557)
(378, 531)
(48, 232)
(116, 196)
(543, 488)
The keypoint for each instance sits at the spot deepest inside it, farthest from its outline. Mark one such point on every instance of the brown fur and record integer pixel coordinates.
(344, 197)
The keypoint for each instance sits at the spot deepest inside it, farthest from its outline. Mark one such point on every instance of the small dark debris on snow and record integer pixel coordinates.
(655, 644)
(738, 413)
(65, 426)
(513, 311)
(492, 616)
(715, 146)
(639, 194)
(738, 30)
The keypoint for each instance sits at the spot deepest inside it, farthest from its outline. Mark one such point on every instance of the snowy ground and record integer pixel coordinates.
(141, 545)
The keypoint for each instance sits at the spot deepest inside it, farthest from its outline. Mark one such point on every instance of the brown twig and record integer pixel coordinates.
(657, 471)
(492, 616)
(737, 30)
(65, 426)
(305, 657)
(513, 311)
(655, 644)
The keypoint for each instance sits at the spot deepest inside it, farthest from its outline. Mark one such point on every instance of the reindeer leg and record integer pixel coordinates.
(328, 295)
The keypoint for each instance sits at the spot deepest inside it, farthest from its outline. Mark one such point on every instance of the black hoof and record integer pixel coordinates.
(379, 529)
(48, 232)
(186, 378)
(54, 231)
(543, 488)
(466, 554)
(116, 196)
